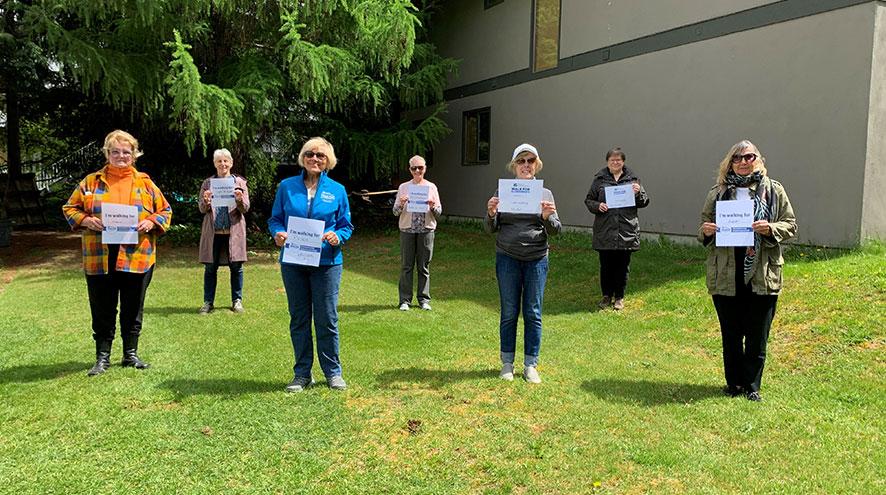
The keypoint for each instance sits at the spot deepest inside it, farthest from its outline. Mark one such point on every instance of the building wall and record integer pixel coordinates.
(873, 218)
(800, 89)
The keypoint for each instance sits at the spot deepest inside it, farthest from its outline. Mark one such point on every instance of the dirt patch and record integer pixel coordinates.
(40, 249)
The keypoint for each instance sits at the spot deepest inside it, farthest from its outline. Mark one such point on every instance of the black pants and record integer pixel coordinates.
(614, 268)
(745, 320)
(105, 290)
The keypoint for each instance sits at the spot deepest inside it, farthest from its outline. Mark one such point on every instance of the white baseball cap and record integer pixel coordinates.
(525, 147)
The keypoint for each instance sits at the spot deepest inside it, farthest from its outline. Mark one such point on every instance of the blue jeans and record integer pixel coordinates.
(313, 291)
(210, 280)
(520, 281)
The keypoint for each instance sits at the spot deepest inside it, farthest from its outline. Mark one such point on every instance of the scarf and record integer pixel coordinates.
(764, 209)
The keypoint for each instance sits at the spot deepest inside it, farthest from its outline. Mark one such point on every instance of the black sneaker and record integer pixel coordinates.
(754, 396)
(733, 390)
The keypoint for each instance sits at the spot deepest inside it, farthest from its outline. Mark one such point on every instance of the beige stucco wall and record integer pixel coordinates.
(488, 42)
(873, 217)
(800, 90)
(591, 24)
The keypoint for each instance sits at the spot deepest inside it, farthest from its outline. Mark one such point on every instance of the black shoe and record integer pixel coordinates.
(102, 358)
(754, 396)
(733, 390)
(131, 360)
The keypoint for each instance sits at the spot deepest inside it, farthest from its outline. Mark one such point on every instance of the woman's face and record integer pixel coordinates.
(223, 166)
(744, 161)
(615, 163)
(314, 160)
(524, 165)
(418, 172)
(120, 154)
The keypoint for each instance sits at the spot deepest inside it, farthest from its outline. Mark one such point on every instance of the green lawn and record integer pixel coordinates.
(630, 401)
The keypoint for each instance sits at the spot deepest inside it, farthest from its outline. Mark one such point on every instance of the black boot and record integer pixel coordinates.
(102, 358)
(130, 355)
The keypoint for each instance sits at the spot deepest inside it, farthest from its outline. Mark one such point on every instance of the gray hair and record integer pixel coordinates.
(417, 160)
(222, 152)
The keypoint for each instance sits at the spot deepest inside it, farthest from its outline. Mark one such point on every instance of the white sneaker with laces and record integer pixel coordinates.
(404, 306)
(530, 374)
(425, 306)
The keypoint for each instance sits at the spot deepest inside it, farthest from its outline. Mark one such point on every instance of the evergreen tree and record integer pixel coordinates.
(255, 77)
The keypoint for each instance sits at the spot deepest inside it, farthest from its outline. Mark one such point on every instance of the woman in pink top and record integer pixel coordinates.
(417, 235)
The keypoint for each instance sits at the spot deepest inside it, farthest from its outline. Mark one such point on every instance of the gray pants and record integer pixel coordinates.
(416, 250)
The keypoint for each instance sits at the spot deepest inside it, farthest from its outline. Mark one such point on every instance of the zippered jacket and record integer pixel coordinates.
(616, 228)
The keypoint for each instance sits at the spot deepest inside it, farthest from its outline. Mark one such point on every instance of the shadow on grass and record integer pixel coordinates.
(177, 310)
(365, 308)
(647, 393)
(184, 388)
(37, 372)
(430, 379)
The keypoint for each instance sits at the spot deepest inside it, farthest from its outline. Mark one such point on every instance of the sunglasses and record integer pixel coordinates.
(749, 157)
(416, 169)
(521, 161)
(311, 154)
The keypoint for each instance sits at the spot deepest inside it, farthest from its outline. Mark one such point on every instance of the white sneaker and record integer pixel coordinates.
(425, 306)
(507, 372)
(404, 307)
(530, 374)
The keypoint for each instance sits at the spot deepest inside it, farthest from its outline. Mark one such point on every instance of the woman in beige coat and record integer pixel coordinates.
(223, 234)
(744, 282)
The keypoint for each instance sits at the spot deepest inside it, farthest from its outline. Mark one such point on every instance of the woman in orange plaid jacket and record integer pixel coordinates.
(119, 212)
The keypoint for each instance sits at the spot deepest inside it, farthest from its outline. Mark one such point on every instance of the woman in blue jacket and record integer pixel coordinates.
(314, 289)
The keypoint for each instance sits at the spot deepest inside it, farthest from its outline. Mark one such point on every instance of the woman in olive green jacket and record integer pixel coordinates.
(744, 282)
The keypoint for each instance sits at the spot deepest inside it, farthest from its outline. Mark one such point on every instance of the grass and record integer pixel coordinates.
(630, 401)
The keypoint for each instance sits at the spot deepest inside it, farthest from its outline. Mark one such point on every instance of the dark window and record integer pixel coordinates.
(491, 3)
(545, 34)
(476, 128)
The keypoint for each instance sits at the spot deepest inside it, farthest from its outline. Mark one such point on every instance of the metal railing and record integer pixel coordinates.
(69, 167)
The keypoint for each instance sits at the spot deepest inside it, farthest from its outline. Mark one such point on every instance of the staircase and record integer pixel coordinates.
(23, 195)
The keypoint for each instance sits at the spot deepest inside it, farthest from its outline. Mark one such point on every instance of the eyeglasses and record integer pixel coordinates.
(312, 154)
(416, 169)
(521, 161)
(120, 153)
(748, 157)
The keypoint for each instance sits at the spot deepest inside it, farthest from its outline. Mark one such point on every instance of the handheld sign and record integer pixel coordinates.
(620, 196)
(520, 195)
(418, 198)
(734, 219)
(304, 240)
(120, 223)
(222, 192)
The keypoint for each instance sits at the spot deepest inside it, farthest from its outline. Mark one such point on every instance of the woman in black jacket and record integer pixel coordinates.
(616, 229)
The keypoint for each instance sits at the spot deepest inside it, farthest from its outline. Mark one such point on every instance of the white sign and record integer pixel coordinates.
(418, 198)
(222, 192)
(519, 195)
(620, 196)
(120, 222)
(734, 219)
(304, 240)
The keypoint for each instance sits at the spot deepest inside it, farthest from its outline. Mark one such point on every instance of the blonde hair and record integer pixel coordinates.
(124, 137)
(318, 142)
(222, 152)
(512, 165)
(737, 148)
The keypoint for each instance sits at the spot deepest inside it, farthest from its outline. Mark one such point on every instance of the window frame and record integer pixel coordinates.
(464, 142)
(533, 59)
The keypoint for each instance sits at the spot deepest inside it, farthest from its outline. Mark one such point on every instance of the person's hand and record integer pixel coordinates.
(547, 209)
(762, 227)
(492, 206)
(93, 223)
(144, 226)
(603, 207)
(238, 195)
(280, 238)
(207, 197)
(432, 204)
(709, 228)
(636, 187)
(331, 238)
(403, 199)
